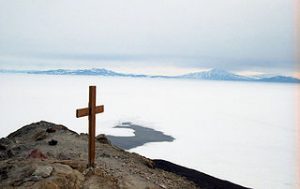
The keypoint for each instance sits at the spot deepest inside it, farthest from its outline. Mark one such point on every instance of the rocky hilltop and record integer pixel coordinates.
(47, 155)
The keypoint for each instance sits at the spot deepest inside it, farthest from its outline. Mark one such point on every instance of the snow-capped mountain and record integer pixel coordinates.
(215, 74)
(219, 74)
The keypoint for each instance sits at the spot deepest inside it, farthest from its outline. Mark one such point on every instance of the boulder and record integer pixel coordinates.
(103, 139)
(43, 171)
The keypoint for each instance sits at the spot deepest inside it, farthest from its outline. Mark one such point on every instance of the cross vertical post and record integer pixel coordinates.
(92, 125)
(91, 112)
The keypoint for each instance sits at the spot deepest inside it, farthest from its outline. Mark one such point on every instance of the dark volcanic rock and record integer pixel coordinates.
(2, 147)
(50, 130)
(52, 142)
(103, 139)
(4, 172)
(202, 180)
(5, 141)
(11, 150)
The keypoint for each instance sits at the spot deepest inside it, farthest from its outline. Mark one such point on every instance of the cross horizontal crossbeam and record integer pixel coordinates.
(86, 111)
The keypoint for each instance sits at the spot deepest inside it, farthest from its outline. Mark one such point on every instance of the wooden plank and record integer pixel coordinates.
(82, 112)
(92, 125)
(85, 111)
(99, 109)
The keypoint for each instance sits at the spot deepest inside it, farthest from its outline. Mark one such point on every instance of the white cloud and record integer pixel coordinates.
(233, 29)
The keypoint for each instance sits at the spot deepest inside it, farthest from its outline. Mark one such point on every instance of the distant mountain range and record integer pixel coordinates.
(213, 74)
(94, 71)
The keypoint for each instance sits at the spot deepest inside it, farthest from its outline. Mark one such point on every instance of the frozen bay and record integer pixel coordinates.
(239, 131)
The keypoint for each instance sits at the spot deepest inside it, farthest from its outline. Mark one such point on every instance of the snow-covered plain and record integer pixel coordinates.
(239, 131)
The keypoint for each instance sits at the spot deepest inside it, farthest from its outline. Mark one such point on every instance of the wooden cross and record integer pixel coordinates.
(91, 111)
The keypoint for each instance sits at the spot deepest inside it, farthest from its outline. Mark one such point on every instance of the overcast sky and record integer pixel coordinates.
(255, 35)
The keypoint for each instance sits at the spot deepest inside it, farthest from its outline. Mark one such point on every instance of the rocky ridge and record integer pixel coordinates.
(47, 155)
